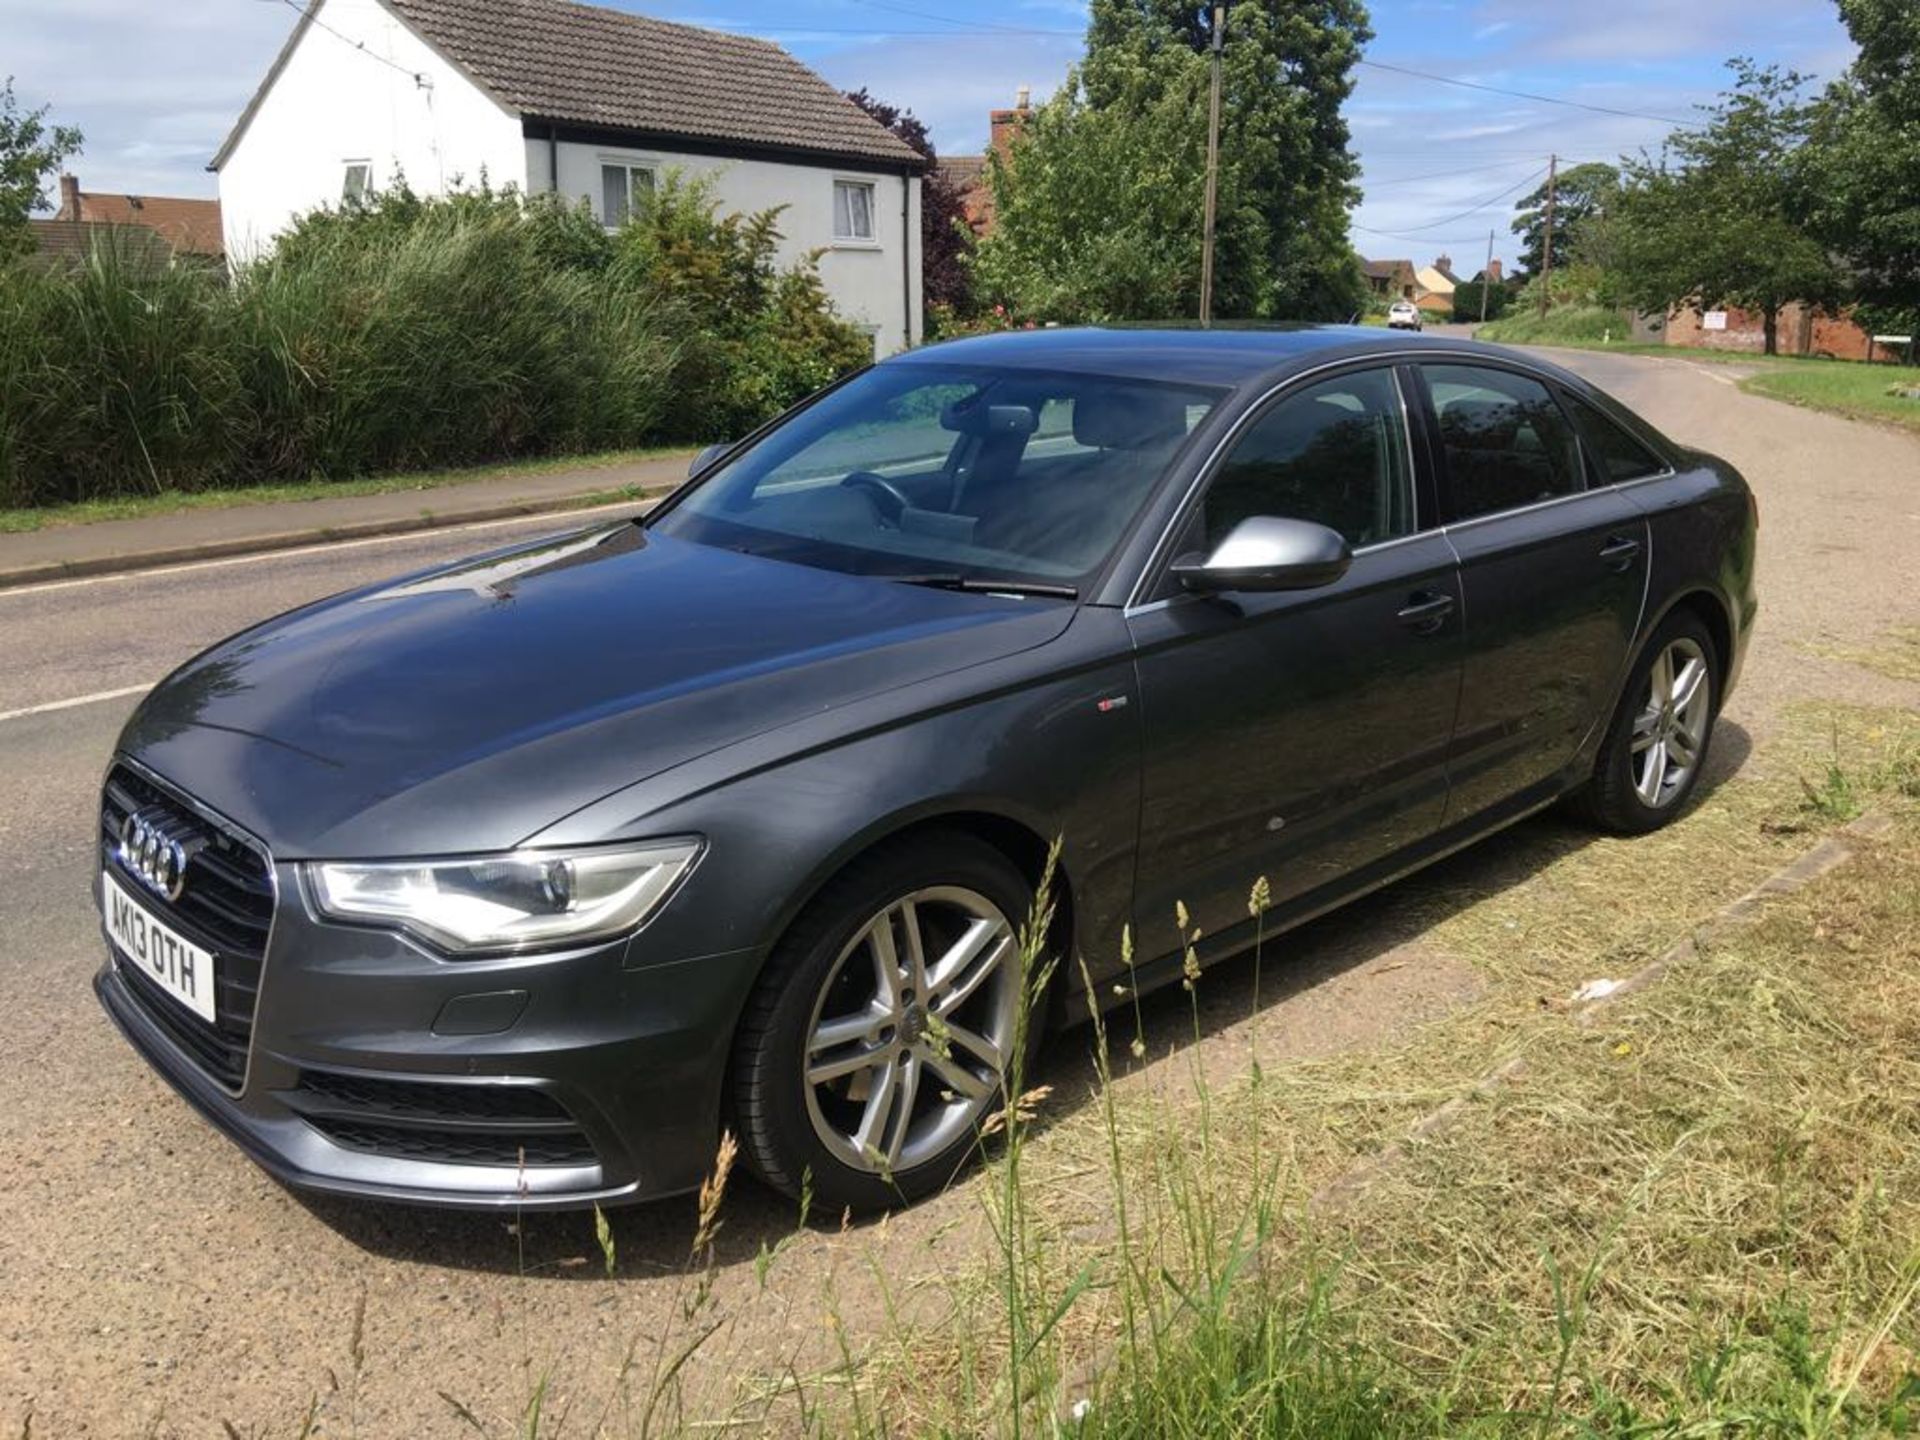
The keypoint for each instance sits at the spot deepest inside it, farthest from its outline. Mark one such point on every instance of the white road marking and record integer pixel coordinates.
(559, 517)
(94, 698)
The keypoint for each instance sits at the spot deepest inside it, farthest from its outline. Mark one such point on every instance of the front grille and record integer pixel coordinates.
(440, 1121)
(226, 906)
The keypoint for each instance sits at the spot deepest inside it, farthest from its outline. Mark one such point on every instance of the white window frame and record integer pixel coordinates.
(631, 164)
(347, 167)
(856, 241)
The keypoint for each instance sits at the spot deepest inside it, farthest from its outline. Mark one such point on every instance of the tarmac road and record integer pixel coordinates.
(152, 1281)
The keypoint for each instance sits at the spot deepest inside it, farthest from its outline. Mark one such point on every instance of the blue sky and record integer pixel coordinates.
(155, 85)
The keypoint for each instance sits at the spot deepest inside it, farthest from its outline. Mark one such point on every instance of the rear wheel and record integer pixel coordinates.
(878, 1040)
(1656, 745)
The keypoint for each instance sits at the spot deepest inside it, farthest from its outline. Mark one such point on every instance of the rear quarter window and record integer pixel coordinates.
(1618, 455)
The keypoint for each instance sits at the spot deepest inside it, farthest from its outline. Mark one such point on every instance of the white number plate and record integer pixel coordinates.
(183, 970)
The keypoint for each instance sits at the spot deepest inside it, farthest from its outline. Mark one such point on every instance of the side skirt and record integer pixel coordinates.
(1163, 970)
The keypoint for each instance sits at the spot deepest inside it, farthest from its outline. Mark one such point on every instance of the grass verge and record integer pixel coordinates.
(22, 520)
(1581, 325)
(1860, 392)
(1700, 1217)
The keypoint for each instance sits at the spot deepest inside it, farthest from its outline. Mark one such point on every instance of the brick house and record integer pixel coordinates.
(156, 228)
(968, 173)
(190, 227)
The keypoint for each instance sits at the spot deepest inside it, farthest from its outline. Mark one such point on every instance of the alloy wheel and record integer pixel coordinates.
(1670, 730)
(912, 1031)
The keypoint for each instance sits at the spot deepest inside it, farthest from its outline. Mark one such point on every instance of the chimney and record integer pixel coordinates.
(69, 198)
(1443, 263)
(1003, 125)
(1493, 271)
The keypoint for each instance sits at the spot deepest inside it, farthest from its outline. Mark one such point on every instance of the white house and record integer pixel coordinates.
(548, 95)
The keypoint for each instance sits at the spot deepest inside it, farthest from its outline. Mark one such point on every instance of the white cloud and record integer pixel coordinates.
(155, 84)
(153, 87)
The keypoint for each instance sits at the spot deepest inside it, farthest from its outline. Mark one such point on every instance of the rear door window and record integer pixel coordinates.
(1617, 454)
(1506, 442)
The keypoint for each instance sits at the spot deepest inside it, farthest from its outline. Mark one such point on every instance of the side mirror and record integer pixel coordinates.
(1268, 552)
(707, 456)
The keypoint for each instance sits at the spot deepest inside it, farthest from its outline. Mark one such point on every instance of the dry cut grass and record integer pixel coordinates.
(1700, 1217)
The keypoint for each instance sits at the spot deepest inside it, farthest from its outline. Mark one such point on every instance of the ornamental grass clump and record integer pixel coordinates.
(403, 334)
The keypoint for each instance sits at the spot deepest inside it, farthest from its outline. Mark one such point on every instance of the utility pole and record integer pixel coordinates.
(1213, 167)
(1486, 278)
(1546, 250)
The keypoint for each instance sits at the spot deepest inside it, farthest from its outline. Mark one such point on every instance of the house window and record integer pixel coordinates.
(357, 181)
(853, 210)
(623, 190)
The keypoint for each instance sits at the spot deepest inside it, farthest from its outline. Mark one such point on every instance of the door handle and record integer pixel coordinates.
(1619, 552)
(1426, 611)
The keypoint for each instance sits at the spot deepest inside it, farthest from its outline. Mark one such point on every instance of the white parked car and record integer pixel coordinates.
(1403, 315)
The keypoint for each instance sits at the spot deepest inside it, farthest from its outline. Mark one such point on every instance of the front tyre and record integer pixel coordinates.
(880, 1035)
(1656, 744)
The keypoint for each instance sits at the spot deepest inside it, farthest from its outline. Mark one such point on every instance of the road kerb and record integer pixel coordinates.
(295, 539)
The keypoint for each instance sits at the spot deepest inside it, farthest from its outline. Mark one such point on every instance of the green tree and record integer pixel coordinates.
(30, 151)
(1098, 211)
(1467, 300)
(1584, 199)
(1714, 221)
(1861, 176)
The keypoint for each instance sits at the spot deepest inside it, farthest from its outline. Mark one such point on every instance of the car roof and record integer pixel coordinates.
(1224, 355)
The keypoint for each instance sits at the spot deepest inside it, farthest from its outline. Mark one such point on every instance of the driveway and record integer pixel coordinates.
(153, 1282)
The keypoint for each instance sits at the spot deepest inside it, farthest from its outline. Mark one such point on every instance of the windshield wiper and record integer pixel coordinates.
(979, 586)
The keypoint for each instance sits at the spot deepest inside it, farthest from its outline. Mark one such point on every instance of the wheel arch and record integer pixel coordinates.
(1712, 610)
(1020, 838)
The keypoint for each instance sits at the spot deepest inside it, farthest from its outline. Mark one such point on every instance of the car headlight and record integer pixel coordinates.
(521, 900)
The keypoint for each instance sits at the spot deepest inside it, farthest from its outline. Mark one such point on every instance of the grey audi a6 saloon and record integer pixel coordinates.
(519, 880)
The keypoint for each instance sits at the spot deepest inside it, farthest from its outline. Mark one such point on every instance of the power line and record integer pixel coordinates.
(306, 12)
(864, 31)
(1522, 94)
(1430, 175)
(987, 25)
(964, 24)
(991, 27)
(1416, 233)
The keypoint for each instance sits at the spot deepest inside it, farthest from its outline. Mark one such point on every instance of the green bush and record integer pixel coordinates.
(759, 338)
(403, 334)
(1573, 324)
(1467, 301)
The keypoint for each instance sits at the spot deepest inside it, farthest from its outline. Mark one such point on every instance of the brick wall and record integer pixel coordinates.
(1801, 330)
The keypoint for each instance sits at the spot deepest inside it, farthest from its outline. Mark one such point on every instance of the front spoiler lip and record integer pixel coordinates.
(217, 1108)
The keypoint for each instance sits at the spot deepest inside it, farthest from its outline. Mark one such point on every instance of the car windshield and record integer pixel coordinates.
(949, 472)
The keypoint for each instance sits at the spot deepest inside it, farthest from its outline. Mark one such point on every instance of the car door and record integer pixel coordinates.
(1297, 735)
(1552, 576)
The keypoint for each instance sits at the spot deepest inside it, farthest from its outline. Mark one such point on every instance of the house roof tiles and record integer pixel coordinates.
(590, 66)
(191, 227)
(556, 60)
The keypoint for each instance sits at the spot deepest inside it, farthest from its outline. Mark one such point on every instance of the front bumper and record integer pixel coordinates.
(598, 1078)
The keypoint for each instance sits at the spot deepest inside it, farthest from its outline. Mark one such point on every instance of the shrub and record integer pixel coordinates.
(410, 334)
(405, 333)
(759, 338)
(1576, 324)
(117, 376)
(1467, 300)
